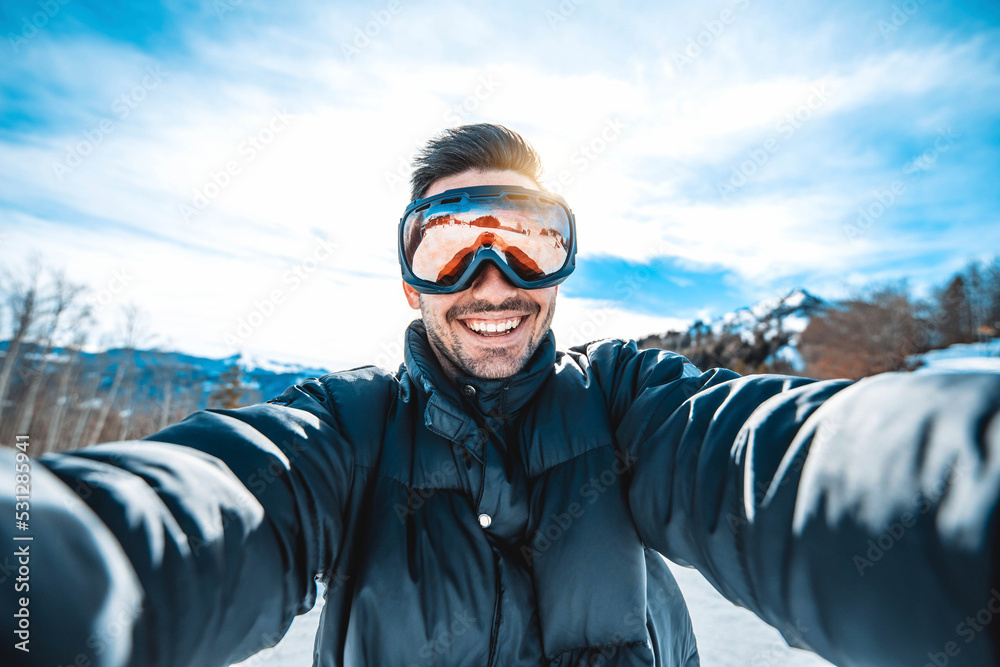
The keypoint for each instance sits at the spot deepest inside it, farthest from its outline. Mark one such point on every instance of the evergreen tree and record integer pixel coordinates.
(953, 317)
(229, 392)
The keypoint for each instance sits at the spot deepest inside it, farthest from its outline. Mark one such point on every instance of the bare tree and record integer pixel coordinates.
(20, 296)
(55, 438)
(87, 400)
(874, 332)
(61, 306)
(132, 333)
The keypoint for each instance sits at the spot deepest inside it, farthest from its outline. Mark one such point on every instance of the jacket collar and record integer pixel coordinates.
(496, 401)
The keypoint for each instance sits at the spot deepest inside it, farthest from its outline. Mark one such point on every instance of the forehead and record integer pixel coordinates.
(468, 179)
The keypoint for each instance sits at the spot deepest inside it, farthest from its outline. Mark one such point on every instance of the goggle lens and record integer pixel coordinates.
(530, 233)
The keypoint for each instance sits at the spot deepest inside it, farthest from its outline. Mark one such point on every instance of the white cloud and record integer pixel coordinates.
(579, 321)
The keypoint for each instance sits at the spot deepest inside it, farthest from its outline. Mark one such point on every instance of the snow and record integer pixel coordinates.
(796, 298)
(962, 358)
(54, 357)
(793, 310)
(791, 355)
(728, 636)
(249, 362)
(289, 365)
(794, 323)
(296, 648)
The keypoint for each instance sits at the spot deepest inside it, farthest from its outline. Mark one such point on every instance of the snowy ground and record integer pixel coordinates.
(728, 636)
(963, 358)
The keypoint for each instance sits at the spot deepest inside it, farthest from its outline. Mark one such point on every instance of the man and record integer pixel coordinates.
(498, 502)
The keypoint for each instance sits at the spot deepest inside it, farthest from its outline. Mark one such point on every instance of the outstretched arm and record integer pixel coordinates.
(196, 546)
(860, 519)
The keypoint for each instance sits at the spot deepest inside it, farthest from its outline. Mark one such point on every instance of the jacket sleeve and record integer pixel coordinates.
(196, 546)
(860, 519)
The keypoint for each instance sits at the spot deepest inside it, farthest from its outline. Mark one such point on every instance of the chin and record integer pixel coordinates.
(495, 365)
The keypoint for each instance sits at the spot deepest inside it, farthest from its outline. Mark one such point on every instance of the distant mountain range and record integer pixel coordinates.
(777, 320)
(152, 370)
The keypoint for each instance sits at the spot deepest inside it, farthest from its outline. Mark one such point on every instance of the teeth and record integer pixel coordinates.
(493, 327)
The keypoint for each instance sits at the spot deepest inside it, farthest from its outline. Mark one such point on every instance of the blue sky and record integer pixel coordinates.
(237, 168)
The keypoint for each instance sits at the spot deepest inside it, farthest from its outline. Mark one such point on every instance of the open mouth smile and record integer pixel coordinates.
(493, 328)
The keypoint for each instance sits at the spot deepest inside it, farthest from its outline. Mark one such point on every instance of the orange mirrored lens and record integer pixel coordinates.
(531, 235)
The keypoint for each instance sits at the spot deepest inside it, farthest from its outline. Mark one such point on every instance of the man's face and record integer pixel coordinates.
(450, 319)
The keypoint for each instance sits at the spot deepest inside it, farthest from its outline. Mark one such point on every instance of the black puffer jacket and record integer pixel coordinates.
(520, 522)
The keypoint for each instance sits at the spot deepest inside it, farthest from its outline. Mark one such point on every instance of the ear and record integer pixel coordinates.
(412, 296)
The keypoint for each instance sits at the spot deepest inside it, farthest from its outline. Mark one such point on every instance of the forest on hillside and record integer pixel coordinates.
(65, 396)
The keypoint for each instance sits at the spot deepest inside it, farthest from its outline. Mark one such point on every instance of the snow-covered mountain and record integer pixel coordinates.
(155, 370)
(766, 331)
(771, 317)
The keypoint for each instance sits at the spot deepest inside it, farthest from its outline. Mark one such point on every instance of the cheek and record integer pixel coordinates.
(548, 302)
(435, 307)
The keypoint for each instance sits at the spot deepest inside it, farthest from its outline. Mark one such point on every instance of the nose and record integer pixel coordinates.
(492, 286)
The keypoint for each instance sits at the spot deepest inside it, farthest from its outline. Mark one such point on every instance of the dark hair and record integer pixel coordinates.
(481, 147)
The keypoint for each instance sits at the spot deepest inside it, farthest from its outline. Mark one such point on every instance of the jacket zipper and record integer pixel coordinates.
(495, 630)
(498, 583)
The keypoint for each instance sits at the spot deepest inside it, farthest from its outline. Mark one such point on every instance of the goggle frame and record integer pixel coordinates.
(486, 253)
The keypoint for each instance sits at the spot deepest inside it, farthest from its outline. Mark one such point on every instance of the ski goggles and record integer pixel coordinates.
(445, 240)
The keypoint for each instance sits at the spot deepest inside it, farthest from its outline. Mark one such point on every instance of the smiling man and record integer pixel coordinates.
(485, 327)
(496, 501)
